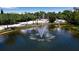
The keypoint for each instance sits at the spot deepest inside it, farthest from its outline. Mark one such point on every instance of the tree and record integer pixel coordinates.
(76, 17)
(1, 11)
(51, 16)
(68, 16)
(58, 15)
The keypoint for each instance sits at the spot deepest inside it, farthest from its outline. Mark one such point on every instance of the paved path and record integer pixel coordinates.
(24, 23)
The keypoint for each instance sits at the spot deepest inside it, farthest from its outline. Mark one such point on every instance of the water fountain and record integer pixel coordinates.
(41, 33)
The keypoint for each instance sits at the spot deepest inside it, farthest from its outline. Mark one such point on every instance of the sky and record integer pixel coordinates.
(34, 9)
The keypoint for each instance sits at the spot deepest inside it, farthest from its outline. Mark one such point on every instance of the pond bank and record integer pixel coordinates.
(9, 30)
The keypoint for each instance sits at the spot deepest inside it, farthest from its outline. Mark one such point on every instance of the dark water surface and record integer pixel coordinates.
(39, 39)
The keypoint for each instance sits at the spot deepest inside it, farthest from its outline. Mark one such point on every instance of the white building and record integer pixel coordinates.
(59, 21)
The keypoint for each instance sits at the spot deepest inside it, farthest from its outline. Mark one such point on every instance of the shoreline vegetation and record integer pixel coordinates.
(66, 26)
(12, 21)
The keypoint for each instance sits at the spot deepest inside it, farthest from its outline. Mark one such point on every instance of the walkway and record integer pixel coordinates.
(24, 23)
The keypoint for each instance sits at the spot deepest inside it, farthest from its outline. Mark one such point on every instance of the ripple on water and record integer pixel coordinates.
(2, 38)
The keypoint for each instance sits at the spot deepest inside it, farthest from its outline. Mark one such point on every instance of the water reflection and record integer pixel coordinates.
(74, 32)
(58, 29)
(2, 38)
(10, 39)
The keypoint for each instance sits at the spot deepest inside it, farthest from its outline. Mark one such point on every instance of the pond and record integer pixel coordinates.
(43, 38)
